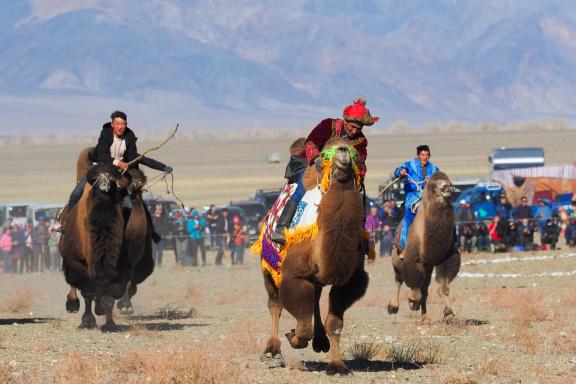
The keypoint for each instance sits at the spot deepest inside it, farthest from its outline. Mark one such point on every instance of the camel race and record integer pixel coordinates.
(311, 191)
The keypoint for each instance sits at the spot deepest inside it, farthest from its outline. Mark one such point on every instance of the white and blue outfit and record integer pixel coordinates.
(414, 189)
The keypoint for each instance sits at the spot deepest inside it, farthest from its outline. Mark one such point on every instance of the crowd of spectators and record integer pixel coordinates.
(24, 248)
(515, 228)
(192, 233)
(27, 248)
(381, 226)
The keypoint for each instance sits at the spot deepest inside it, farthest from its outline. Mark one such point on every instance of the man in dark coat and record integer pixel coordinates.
(523, 210)
(355, 117)
(117, 145)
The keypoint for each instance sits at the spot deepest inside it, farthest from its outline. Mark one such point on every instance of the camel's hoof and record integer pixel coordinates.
(110, 327)
(392, 309)
(72, 306)
(126, 310)
(337, 369)
(295, 341)
(88, 323)
(273, 360)
(320, 343)
(414, 305)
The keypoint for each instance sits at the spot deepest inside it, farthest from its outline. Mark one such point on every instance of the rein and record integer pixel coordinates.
(153, 148)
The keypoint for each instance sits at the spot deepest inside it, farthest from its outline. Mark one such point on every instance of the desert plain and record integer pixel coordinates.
(515, 313)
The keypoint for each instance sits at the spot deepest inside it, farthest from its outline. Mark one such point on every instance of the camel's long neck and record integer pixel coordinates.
(438, 231)
(340, 220)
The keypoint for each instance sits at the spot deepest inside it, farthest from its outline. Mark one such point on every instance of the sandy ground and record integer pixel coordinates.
(514, 326)
(208, 171)
(515, 316)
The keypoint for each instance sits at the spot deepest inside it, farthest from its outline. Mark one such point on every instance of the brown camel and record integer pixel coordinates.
(91, 244)
(335, 257)
(429, 246)
(137, 241)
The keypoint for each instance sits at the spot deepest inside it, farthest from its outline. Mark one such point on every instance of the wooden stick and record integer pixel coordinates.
(388, 186)
(157, 147)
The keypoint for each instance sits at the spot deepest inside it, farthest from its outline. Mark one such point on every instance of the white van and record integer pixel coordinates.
(514, 158)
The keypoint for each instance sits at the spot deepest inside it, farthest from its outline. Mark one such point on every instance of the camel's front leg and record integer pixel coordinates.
(424, 291)
(72, 301)
(124, 305)
(394, 302)
(297, 296)
(445, 273)
(272, 350)
(341, 298)
(110, 325)
(88, 319)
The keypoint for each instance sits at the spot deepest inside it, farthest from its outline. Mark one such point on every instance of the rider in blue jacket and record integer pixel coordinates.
(415, 173)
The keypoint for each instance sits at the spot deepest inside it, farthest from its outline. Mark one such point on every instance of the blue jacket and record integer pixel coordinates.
(414, 169)
(195, 227)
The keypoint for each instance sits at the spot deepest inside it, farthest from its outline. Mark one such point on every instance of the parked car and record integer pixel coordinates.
(267, 196)
(483, 198)
(47, 211)
(254, 212)
(169, 207)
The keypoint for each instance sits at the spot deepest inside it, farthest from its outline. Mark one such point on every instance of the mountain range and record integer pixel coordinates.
(217, 64)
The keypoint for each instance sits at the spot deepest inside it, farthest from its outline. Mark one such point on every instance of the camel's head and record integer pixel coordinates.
(339, 163)
(137, 181)
(439, 188)
(106, 178)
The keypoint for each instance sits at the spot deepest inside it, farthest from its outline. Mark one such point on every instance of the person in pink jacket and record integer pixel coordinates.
(6, 249)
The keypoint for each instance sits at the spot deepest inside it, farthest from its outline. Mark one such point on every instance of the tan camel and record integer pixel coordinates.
(335, 257)
(429, 246)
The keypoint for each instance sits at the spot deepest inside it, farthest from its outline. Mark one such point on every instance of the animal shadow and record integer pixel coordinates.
(28, 320)
(365, 365)
(161, 326)
(464, 322)
(165, 313)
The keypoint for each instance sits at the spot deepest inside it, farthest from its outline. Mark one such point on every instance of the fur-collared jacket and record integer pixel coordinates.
(101, 153)
(327, 129)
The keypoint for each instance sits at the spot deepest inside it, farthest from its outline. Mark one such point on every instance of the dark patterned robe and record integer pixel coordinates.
(327, 129)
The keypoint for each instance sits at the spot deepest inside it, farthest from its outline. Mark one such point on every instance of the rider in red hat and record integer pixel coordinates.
(356, 116)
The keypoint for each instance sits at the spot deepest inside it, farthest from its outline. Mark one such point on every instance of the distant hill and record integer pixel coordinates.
(254, 63)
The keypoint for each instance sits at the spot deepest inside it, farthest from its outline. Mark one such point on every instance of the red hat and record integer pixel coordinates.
(358, 113)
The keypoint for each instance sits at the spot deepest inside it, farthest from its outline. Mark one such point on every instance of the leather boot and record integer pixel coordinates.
(284, 222)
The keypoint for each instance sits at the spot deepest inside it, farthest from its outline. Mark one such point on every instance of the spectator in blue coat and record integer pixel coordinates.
(415, 172)
(543, 213)
(522, 211)
(503, 208)
(195, 227)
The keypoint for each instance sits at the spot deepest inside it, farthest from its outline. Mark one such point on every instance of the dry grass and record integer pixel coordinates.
(365, 351)
(417, 351)
(19, 301)
(377, 299)
(458, 378)
(245, 338)
(170, 365)
(525, 307)
(194, 293)
(494, 367)
(236, 296)
(5, 373)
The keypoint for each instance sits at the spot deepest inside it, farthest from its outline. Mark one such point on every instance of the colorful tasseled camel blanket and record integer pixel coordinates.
(303, 225)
